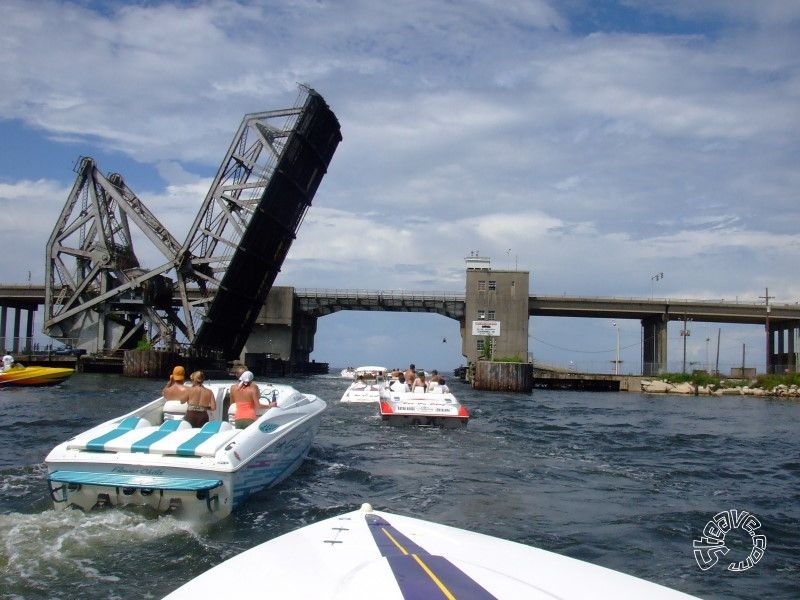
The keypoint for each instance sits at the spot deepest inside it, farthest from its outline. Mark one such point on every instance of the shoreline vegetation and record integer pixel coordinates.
(704, 384)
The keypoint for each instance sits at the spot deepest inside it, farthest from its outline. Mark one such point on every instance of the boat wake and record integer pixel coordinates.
(83, 549)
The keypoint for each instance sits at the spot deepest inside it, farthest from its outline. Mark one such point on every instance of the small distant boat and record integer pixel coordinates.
(366, 386)
(368, 553)
(152, 457)
(34, 376)
(434, 405)
(348, 373)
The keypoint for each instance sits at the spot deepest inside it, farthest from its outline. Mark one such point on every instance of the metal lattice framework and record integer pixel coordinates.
(95, 285)
(99, 294)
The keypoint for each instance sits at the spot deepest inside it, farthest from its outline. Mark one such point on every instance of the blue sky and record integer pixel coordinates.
(594, 144)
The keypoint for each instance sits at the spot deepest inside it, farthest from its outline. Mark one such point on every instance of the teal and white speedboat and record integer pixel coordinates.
(152, 457)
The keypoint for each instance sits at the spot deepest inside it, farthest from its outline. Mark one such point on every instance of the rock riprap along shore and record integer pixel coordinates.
(658, 386)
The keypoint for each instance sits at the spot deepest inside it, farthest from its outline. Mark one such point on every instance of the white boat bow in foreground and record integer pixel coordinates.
(372, 554)
(152, 457)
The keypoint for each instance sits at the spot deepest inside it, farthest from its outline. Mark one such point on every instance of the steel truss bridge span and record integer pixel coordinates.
(96, 289)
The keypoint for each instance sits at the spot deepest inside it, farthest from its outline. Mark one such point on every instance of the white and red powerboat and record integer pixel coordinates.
(433, 405)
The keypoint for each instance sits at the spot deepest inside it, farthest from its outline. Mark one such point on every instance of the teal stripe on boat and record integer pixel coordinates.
(143, 445)
(155, 482)
(124, 426)
(188, 447)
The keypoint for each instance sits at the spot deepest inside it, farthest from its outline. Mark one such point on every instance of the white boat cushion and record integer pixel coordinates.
(96, 438)
(174, 409)
(139, 440)
(195, 442)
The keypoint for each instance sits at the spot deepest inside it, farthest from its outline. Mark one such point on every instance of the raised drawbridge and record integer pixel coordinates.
(207, 291)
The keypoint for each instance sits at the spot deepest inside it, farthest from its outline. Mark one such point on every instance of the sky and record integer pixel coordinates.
(595, 144)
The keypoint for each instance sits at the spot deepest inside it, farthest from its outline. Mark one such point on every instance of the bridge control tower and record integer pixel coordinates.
(100, 295)
(495, 323)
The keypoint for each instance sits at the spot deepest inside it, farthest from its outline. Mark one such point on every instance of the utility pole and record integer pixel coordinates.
(742, 374)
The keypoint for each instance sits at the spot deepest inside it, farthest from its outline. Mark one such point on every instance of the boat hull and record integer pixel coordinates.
(366, 386)
(431, 409)
(196, 474)
(419, 420)
(34, 376)
(375, 554)
(361, 395)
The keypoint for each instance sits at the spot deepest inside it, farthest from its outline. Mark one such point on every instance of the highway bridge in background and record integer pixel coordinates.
(321, 302)
(782, 320)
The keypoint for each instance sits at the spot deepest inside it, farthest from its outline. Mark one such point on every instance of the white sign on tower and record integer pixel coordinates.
(491, 328)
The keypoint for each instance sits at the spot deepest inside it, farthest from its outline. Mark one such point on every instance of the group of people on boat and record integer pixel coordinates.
(412, 380)
(200, 400)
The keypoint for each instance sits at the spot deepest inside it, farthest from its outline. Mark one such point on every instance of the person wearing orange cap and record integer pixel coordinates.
(175, 390)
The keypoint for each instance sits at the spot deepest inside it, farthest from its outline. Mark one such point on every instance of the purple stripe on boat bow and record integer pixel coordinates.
(419, 574)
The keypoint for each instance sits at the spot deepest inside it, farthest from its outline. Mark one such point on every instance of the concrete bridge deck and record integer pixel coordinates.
(654, 313)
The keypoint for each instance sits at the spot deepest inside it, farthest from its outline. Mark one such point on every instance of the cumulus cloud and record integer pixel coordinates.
(597, 154)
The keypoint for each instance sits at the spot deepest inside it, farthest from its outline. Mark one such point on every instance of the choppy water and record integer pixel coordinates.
(623, 480)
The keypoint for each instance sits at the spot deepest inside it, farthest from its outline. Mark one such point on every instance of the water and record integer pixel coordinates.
(623, 480)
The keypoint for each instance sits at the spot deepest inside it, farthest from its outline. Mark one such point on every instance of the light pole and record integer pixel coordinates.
(768, 362)
(616, 362)
(708, 367)
(685, 333)
(653, 279)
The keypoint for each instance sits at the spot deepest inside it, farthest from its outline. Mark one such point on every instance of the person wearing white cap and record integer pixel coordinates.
(246, 395)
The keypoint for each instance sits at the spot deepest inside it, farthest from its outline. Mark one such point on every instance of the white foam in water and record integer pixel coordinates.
(74, 546)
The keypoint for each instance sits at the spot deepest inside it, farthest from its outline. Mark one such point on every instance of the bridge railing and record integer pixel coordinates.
(396, 294)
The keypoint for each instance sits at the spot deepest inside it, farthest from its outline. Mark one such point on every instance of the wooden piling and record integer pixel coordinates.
(503, 376)
(151, 363)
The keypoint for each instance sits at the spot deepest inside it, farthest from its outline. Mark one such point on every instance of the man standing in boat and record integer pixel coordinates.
(199, 400)
(8, 361)
(411, 373)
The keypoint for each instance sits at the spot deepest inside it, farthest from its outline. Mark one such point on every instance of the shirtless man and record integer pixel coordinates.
(175, 390)
(411, 374)
(199, 400)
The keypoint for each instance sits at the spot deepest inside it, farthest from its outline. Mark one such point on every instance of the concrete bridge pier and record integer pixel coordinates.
(783, 346)
(16, 344)
(654, 345)
(282, 330)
